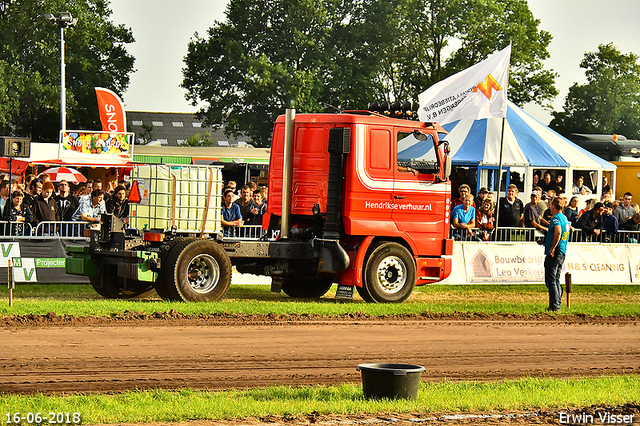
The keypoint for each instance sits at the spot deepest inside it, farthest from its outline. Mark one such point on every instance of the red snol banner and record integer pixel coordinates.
(111, 109)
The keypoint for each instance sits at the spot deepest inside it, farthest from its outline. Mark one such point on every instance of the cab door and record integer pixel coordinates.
(419, 199)
(369, 185)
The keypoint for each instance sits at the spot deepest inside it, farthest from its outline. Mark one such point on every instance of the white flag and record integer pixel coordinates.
(477, 92)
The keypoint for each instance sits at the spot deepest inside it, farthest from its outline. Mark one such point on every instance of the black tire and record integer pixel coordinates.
(364, 294)
(161, 289)
(389, 274)
(110, 286)
(311, 288)
(160, 284)
(197, 271)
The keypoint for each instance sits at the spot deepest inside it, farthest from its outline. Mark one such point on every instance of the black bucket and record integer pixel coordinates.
(392, 381)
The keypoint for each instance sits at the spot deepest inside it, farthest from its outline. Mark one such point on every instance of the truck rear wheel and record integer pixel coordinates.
(110, 285)
(160, 284)
(307, 288)
(389, 274)
(106, 286)
(161, 289)
(197, 271)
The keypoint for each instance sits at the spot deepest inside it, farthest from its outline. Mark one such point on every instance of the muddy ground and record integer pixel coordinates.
(169, 350)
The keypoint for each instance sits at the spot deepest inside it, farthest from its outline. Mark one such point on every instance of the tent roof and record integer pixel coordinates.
(527, 142)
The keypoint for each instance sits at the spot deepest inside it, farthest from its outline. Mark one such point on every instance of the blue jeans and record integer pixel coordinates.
(552, 272)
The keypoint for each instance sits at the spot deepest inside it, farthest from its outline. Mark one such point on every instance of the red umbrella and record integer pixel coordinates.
(65, 173)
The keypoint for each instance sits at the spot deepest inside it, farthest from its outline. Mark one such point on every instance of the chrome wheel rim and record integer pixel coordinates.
(203, 273)
(391, 274)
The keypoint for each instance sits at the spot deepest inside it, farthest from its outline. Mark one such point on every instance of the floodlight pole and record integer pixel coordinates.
(63, 84)
(62, 21)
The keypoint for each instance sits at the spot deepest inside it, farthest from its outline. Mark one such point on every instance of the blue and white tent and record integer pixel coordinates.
(527, 143)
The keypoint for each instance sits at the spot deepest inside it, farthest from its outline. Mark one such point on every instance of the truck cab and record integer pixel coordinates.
(392, 191)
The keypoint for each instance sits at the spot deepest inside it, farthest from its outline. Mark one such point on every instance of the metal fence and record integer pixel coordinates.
(75, 230)
(44, 230)
(249, 232)
(532, 235)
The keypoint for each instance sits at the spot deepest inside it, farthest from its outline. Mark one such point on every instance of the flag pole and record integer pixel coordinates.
(504, 119)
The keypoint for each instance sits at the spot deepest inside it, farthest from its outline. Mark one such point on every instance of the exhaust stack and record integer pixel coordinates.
(289, 129)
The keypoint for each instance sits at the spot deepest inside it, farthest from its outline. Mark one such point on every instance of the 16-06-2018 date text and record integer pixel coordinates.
(50, 418)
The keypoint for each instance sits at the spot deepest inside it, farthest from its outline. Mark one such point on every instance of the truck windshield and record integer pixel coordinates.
(417, 154)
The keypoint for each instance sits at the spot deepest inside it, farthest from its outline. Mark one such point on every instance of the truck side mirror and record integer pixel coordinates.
(444, 160)
(447, 167)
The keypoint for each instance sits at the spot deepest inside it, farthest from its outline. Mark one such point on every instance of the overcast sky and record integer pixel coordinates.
(163, 28)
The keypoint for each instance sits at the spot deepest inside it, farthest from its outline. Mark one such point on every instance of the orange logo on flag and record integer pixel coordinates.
(485, 88)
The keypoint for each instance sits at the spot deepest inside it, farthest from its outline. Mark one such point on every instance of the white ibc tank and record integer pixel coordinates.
(185, 197)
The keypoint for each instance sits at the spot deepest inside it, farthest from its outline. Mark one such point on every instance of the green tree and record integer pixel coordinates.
(609, 102)
(146, 135)
(95, 56)
(270, 54)
(198, 139)
(327, 55)
(435, 39)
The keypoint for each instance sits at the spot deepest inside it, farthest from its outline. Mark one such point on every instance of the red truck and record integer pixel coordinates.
(357, 198)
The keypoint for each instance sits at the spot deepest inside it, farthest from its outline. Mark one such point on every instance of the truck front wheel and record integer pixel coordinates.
(390, 274)
(197, 271)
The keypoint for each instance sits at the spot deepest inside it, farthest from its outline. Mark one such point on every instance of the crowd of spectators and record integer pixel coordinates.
(601, 220)
(60, 204)
(40, 201)
(248, 208)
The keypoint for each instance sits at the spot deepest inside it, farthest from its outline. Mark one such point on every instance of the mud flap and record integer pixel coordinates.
(276, 285)
(344, 292)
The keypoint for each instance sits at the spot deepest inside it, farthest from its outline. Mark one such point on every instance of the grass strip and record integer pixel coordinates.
(81, 300)
(445, 396)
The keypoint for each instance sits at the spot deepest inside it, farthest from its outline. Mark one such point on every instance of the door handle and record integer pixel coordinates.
(399, 197)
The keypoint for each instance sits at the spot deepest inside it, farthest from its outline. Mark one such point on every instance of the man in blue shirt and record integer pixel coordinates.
(555, 249)
(463, 218)
(91, 209)
(231, 216)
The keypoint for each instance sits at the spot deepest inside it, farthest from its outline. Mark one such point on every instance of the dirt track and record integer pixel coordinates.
(46, 354)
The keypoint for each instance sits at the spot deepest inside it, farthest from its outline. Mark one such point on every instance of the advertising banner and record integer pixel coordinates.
(512, 263)
(24, 270)
(78, 143)
(111, 108)
(634, 262)
(8, 250)
(38, 261)
(524, 263)
(598, 264)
